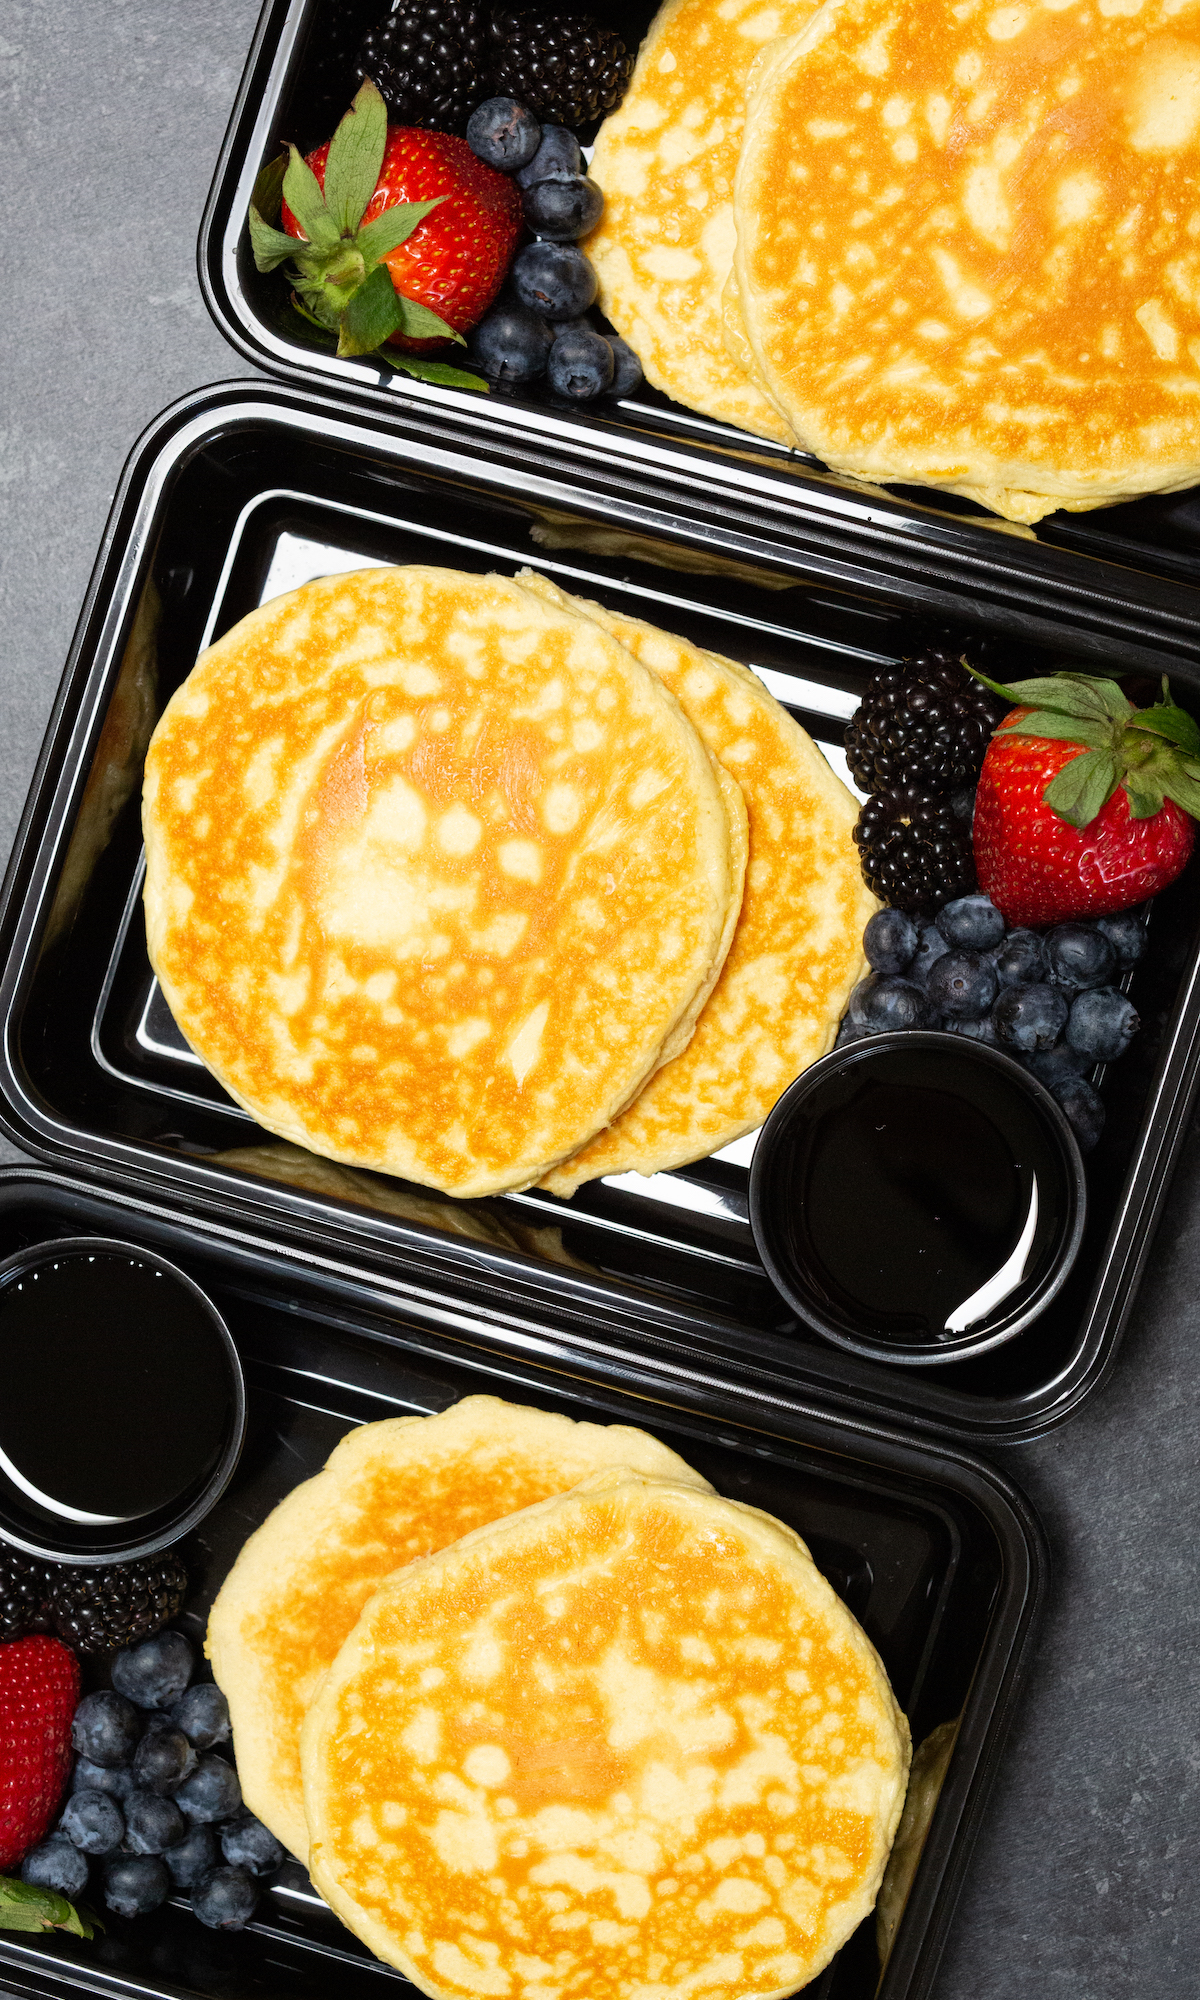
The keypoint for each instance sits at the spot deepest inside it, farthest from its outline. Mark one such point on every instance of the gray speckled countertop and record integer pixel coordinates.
(1083, 1883)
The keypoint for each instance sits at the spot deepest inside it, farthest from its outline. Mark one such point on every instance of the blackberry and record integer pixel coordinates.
(924, 723)
(24, 1594)
(565, 67)
(98, 1610)
(915, 854)
(428, 60)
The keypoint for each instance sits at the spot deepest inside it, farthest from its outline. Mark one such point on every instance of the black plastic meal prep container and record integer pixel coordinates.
(299, 79)
(240, 492)
(935, 1553)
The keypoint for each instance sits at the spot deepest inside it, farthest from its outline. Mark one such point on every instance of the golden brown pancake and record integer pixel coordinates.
(969, 245)
(391, 1492)
(627, 1745)
(434, 874)
(797, 949)
(666, 161)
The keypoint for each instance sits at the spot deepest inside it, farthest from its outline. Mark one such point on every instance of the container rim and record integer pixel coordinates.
(720, 467)
(591, 1308)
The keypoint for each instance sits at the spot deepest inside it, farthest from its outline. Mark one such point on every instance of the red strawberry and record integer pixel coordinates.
(39, 1689)
(348, 214)
(455, 260)
(1085, 804)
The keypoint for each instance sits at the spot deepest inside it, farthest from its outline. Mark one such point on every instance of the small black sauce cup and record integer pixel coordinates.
(917, 1198)
(125, 1411)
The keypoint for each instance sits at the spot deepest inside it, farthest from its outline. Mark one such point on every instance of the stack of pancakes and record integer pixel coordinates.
(950, 243)
(548, 1718)
(463, 879)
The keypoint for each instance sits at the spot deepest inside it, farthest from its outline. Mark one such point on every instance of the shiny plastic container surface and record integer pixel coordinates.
(934, 1552)
(300, 77)
(241, 492)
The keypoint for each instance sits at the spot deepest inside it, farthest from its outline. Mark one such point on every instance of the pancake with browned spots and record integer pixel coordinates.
(797, 948)
(666, 159)
(391, 1491)
(968, 245)
(627, 1745)
(436, 875)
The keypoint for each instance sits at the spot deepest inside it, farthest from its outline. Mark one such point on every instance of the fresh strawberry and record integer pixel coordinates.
(39, 1688)
(1085, 804)
(455, 260)
(400, 238)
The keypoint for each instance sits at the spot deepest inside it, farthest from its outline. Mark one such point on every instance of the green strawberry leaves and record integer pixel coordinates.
(302, 193)
(341, 282)
(1152, 753)
(377, 310)
(1083, 786)
(378, 239)
(354, 159)
(437, 371)
(23, 1908)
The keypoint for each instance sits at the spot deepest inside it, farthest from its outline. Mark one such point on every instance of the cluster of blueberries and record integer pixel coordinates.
(153, 1803)
(538, 326)
(1046, 997)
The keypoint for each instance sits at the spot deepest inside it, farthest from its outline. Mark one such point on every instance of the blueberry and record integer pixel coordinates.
(1082, 1108)
(503, 134)
(627, 369)
(225, 1900)
(247, 1843)
(151, 1823)
(93, 1822)
(961, 984)
(203, 1715)
(930, 947)
(510, 345)
(847, 1032)
(558, 158)
(1057, 1065)
(889, 941)
(1079, 956)
(155, 1673)
(106, 1729)
(1102, 1024)
(1126, 933)
(580, 366)
(1020, 960)
(89, 1777)
(135, 1884)
(971, 923)
(554, 279)
(880, 1005)
(563, 211)
(163, 1758)
(1030, 1017)
(975, 1031)
(58, 1865)
(962, 804)
(193, 1857)
(211, 1793)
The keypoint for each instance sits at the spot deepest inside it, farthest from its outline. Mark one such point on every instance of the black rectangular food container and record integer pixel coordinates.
(935, 1554)
(240, 492)
(300, 77)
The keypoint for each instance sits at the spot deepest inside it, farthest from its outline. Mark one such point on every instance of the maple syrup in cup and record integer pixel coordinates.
(124, 1407)
(917, 1197)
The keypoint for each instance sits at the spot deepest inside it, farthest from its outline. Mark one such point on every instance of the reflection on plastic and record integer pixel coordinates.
(1004, 1281)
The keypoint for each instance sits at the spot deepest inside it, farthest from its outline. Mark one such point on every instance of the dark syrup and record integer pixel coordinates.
(117, 1396)
(913, 1179)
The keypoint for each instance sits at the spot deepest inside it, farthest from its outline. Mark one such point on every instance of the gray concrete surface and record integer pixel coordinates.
(1082, 1887)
